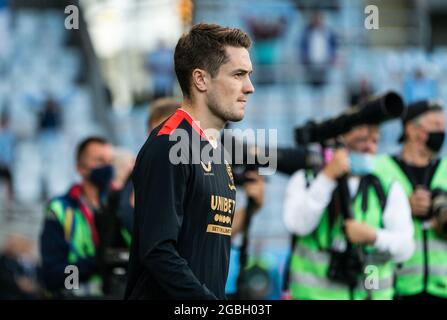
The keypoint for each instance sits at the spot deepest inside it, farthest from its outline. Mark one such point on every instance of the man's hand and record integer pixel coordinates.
(26, 284)
(339, 165)
(360, 232)
(420, 202)
(255, 188)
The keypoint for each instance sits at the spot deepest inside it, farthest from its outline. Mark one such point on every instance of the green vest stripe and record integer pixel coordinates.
(310, 280)
(80, 241)
(313, 255)
(126, 236)
(310, 293)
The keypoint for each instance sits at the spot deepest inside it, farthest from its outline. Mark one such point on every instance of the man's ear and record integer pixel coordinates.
(80, 169)
(200, 79)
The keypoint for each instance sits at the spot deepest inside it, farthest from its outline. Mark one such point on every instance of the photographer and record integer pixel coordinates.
(71, 232)
(423, 176)
(380, 229)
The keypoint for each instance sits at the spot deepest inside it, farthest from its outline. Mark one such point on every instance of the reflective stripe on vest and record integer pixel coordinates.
(308, 285)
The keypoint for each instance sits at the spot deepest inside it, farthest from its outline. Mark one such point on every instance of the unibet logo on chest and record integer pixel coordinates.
(222, 204)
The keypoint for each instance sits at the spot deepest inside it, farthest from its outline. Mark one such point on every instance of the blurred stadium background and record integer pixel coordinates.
(101, 79)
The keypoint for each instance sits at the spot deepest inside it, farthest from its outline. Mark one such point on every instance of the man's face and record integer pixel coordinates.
(95, 155)
(418, 130)
(363, 139)
(228, 91)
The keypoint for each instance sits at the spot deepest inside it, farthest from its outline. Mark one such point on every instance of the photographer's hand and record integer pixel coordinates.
(420, 202)
(339, 165)
(360, 232)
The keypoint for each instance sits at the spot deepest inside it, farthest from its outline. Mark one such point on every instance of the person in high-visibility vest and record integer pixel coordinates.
(421, 171)
(380, 229)
(70, 239)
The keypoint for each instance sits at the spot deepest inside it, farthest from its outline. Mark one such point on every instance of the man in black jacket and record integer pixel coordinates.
(184, 208)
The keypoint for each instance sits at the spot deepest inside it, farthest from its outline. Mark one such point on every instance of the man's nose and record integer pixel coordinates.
(248, 87)
(371, 148)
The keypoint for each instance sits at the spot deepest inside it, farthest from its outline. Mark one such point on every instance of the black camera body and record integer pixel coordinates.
(346, 266)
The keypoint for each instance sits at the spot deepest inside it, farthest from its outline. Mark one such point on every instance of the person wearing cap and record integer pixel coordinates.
(421, 171)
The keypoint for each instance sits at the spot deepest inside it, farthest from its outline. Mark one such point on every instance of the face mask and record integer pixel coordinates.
(101, 177)
(435, 140)
(361, 163)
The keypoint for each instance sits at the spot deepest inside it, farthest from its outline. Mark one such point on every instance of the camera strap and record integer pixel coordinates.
(374, 182)
(309, 176)
(429, 172)
(365, 182)
(286, 281)
(335, 214)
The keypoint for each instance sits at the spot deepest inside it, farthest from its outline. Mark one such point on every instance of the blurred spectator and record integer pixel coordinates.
(318, 50)
(266, 32)
(18, 273)
(419, 87)
(7, 142)
(49, 120)
(71, 234)
(360, 92)
(50, 116)
(161, 67)
(113, 251)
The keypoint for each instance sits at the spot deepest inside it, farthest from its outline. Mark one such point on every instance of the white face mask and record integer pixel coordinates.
(361, 163)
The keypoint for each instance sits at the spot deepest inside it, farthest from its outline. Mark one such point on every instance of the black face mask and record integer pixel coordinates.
(435, 140)
(101, 177)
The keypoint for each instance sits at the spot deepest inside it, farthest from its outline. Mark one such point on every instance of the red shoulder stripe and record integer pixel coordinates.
(175, 120)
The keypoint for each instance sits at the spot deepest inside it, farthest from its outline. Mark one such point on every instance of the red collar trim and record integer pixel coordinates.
(175, 120)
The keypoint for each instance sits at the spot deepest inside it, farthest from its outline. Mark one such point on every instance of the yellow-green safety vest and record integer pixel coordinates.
(78, 235)
(426, 270)
(311, 258)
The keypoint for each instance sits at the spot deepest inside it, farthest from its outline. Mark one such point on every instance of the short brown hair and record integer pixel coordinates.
(204, 47)
(82, 146)
(161, 109)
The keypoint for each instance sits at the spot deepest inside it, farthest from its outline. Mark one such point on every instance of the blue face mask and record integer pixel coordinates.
(361, 163)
